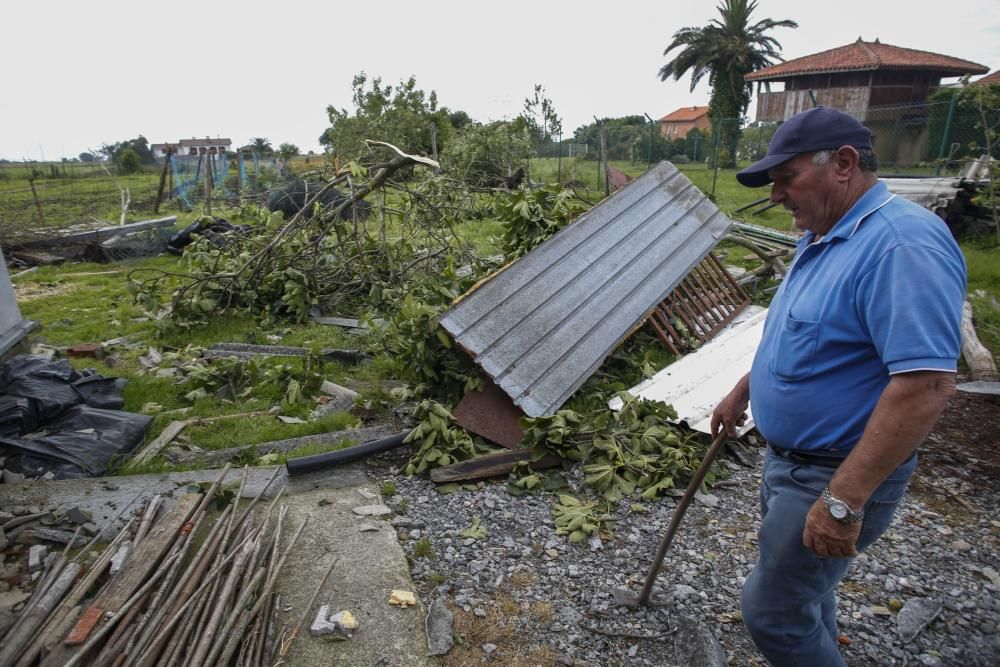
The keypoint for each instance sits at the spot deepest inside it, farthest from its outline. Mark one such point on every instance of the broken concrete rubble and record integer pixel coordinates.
(340, 625)
(439, 628)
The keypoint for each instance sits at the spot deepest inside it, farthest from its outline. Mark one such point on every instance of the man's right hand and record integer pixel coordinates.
(731, 412)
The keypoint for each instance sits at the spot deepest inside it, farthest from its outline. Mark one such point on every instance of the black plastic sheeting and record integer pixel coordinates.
(217, 230)
(56, 419)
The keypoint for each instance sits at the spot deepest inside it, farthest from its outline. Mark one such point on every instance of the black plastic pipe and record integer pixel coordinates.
(306, 464)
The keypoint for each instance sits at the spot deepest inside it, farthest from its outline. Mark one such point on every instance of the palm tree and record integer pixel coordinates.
(726, 49)
(261, 146)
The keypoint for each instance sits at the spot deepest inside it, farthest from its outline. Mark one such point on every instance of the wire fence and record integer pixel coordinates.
(928, 139)
(37, 196)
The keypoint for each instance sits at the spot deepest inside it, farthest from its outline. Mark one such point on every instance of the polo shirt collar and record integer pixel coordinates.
(873, 199)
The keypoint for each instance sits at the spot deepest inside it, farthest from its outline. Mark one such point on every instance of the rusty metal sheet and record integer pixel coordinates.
(542, 325)
(491, 414)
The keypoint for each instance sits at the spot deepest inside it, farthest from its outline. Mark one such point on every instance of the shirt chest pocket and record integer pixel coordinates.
(795, 351)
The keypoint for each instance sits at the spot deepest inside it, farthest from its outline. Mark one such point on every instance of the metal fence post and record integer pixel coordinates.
(718, 146)
(559, 161)
(946, 132)
(649, 151)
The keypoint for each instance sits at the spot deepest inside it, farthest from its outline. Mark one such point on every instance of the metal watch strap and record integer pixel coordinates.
(852, 516)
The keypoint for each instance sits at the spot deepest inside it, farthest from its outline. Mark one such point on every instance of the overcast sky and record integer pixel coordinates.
(80, 74)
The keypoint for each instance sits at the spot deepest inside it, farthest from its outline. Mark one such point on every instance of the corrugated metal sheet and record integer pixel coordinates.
(697, 382)
(541, 326)
(931, 193)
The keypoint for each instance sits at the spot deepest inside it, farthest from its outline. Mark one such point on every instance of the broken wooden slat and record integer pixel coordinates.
(161, 441)
(490, 465)
(145, 558)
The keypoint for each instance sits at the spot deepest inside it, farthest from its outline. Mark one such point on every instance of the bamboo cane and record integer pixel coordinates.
(286, 644)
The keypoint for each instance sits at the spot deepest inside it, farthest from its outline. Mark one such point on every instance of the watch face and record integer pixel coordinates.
(838, 511)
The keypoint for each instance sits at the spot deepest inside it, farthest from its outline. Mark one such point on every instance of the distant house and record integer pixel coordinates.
(676, 124)
(988, 80)
(884, 86)
(206, 146)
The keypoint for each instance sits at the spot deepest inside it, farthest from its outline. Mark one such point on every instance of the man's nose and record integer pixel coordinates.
(777, 194)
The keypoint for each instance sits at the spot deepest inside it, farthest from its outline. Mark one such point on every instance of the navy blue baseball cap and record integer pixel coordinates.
(817, 129)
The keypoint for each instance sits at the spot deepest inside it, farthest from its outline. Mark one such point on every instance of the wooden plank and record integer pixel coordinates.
(161, 441)
(144, 560)
(338, 322)
(490, 465)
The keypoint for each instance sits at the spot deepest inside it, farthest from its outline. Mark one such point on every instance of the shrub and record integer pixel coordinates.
(128, 162)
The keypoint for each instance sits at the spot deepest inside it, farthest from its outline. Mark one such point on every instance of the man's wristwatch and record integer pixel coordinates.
(840, 510)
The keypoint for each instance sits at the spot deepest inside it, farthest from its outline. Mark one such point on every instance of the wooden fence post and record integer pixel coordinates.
(163, 181)
(38, 203)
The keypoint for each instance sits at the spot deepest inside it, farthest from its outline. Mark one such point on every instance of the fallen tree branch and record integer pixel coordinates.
(979, 359)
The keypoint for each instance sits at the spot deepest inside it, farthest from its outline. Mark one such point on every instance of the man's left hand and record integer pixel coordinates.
(827, 537)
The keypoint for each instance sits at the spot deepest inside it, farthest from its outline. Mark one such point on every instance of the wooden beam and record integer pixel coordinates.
(490, 465)
(166, 435)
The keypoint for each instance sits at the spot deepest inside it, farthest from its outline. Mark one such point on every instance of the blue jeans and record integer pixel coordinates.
(788, 602)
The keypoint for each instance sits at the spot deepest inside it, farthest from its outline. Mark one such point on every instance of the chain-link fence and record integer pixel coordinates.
(933, 138)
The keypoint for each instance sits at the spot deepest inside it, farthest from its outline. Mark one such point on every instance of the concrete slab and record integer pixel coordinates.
(370, 563)
(105, 497)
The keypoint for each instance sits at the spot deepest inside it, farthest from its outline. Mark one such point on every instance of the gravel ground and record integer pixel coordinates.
(523, 595)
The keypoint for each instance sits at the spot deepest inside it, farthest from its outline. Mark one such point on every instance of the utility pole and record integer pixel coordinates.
(604, 157)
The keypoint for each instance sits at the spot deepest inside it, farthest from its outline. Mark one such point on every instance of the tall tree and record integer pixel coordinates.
(726, 49)
(543, 122)
(402, 115)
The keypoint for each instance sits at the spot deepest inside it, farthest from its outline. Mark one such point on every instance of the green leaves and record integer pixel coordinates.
(475, 531)
(532, 216)
(577, 519)
(635, 451)
(440, 443)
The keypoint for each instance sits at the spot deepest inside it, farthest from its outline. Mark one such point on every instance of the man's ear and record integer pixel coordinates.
(845, 162)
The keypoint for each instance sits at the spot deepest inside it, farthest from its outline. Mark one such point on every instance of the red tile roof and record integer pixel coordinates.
(684, 114)
(988, 80)
(868, 56)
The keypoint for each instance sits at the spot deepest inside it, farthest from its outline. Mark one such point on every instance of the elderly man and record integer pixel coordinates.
(855, 365)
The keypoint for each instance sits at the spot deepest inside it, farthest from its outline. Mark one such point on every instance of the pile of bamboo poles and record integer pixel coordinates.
(195, 591)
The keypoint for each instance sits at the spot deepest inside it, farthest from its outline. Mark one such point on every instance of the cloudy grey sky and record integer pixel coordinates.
(79, 74)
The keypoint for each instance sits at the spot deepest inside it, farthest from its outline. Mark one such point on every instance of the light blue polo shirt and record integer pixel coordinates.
(880, 294)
